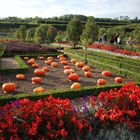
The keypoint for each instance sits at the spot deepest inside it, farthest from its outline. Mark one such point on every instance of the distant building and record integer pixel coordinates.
(124, 18)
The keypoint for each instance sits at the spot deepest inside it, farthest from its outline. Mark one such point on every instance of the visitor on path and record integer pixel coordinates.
(104, 38)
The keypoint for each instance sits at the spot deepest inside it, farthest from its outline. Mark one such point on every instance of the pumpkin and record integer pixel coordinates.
(45, 69)
(86, 68)
(35, 65)
(67, 67)
(106, 73)
(118, 79)
(54, 64)
(26, 58)
(62, 58)
(69, 71)
(73, 77)
(36, 80)
(59, 56)
(9, 87)
(73, 61)
(101, 82)
(31, 61)
(88, 74)
(41, 57)
(39, 72)
(64, 62)
(48, 62)
(79, 64)
(50, 58)
(20, 76)
(75, 85)
(38, 90)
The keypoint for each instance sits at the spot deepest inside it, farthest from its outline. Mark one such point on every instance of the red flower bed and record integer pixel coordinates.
(113, 49)
(51, 118)
(120, 106)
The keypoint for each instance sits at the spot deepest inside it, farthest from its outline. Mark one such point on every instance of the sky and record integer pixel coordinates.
(51, 8)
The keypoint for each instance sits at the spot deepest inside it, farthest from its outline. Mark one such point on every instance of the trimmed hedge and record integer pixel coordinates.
(71, 94)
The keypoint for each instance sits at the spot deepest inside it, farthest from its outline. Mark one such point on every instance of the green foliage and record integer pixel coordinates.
(102, 31)
(136, 34)
(2, 48)
(41, 34)
(20, 33)
(74, 30)
(90, 33)
(30, 34)
(51, 33)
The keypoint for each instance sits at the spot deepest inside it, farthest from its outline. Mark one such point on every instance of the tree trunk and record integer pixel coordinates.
(86, 61)
(59, 47)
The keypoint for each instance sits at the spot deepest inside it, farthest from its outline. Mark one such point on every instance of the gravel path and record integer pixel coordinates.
(9, 62)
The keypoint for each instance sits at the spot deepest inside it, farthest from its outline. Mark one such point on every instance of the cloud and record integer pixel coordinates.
(49, 8)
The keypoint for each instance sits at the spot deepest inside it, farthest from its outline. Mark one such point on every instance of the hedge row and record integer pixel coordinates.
(135, 76)
(22, 65)
(71, 94)
(121, 63)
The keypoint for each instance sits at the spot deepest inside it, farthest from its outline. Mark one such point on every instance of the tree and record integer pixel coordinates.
(51, 33)
(41, 34)
(30, 34)
(2, 49)
(89, 35)
(20, 33)
(59, 38)
(74, 31)
(136, 34)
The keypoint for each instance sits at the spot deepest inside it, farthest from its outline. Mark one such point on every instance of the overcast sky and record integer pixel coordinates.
(50, 8)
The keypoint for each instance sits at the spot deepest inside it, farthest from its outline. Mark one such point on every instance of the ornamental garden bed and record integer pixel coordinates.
(54, 78)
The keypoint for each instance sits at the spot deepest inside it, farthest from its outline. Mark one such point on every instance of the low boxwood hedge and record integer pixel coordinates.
(71, 94)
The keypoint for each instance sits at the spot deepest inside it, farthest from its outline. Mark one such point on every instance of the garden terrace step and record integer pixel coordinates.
(118, 63)
(120, 71)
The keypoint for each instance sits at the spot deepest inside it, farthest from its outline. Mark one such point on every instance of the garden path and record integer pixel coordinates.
(9, 62)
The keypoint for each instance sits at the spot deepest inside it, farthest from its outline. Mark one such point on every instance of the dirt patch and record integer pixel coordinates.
(9, 62)
(54, 78)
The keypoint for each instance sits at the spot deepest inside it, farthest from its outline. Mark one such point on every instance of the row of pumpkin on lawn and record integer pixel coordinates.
(72, 75)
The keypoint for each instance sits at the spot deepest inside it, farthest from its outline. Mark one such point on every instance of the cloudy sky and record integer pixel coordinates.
(50, 8)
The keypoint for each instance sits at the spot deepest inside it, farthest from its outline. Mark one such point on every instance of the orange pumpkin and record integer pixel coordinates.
(31, 61)
(36, 80)
(69, 71)
(26, 58)
(64, 62)
(67, 67)
(73, 61)
(101, 82)
(62, 58)
(45, 69)
(35, 65)
(38, 90)
(88, 74)
(118, 79)
(75, 85)
(48, 62)
(106, 73)
(9, 87)
(39, 72)
(20, 76)
(41, 57)
(86, 68)
(59, 56)
(73, 77)
(79, 64)
(54, 64)
(50, 58)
